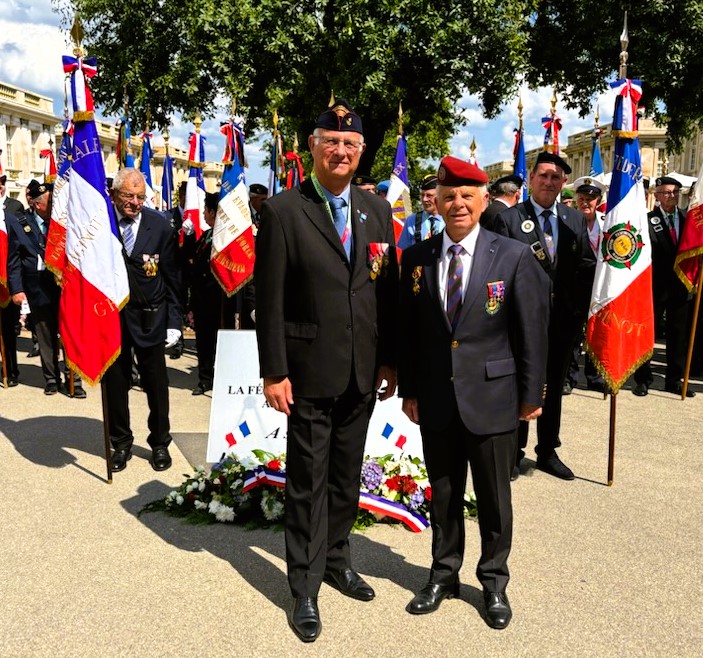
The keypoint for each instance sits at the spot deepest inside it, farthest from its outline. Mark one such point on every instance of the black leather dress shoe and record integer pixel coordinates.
(430, 596)
(554, 466)
(12, 382)
(120, 459)
(677, 389)
(201, 389)
(567, 388)
(160, 459)
(498, 612)
(641, 390)
(34, 351)
(349, 583)
(79, 393)
(515, 474)
(304, 619)
(51, 389)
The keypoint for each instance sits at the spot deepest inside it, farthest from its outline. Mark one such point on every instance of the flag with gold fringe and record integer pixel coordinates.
(95, 284)
(620, 328)
(688, 257)
(232, 255)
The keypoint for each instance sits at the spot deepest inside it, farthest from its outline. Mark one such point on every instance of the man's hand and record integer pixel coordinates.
(410, 410)
(387, 374)
(279, 393)
(18, 298)
(530, 412)
(172, 336)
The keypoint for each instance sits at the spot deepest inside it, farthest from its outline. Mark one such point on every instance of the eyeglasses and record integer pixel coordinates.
(333, 142)
(129, 197)
(668, 194)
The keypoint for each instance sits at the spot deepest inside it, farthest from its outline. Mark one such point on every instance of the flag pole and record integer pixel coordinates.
(624, 41)
(694, 324)
(2, 353)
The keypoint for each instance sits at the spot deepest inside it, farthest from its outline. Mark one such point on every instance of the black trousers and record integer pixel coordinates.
(679, 313)
(326, 438)
(491, 458)
(589, 369)
(562, 336)
(10, 319)
(151, 363)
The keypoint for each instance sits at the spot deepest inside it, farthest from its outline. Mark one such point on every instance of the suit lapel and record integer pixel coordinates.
(359, 217)
(142, 237)
(316, 210)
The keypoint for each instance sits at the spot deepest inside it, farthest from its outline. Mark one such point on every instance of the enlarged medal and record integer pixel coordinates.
(378, 259)
(417, 273)
(496, 297)
(527, 226)
(151, 264)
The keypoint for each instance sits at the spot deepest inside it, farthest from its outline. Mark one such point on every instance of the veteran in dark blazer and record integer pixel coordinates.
(672, 302)
(30, 281)
(150, 321)
(505, 193)
(326, 299)
(558, 238)
(473, 327)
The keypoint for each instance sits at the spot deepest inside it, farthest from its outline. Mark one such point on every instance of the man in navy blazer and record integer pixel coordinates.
(30, 281)
(326, 296)
(558, 238)
(150, 321)
(473, 326)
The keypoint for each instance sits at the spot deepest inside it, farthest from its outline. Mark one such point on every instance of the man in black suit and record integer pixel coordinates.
(326, 285)
(30, 281)
(473, 320)
(505, 192)
(150, 321)
(558, 238)
(666, 224)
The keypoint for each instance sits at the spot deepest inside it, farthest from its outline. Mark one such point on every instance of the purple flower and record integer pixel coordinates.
(415, 500)
(371, 475)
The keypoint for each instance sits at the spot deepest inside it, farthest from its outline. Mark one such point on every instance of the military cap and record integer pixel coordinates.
(512, 178)
(363, 180)
(258, 188)
(429, 182)
(36, 189)
(340, 117)
(453, 171)
(588, 185)
(553, 158)
(566, 194)
(667, 180)
(383, 186)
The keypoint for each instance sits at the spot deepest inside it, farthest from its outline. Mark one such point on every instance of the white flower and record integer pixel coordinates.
(199, 504)
(214, 506)
(179, 499)
(224, 514)
(172, 495)
(201, 486)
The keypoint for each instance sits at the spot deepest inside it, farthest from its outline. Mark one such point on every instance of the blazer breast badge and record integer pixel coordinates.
(496, 297)
(416, 275)
(151, 264)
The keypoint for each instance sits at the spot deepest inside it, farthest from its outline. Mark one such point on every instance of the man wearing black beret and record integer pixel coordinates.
(506, 192)
(326, 295)
(559, 241)
(30, 281)
(367, 183)
(666, 224)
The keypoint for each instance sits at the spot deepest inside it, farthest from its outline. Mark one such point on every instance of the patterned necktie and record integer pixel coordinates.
(340, 223)
(548, 232)
(127, 236)
(431, 232)
(672, 229)
(454, 287)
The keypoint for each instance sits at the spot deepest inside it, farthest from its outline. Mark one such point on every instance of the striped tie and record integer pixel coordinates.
(454, 287)
(548, 233)
(127, 236)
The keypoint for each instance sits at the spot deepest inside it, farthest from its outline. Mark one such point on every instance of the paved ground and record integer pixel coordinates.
(596, 570)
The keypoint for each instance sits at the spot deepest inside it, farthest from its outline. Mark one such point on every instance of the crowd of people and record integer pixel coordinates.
(478, 325)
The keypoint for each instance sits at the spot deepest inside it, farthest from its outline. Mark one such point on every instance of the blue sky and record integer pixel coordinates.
(38, 68)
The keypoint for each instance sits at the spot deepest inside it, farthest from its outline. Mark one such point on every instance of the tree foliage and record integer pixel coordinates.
(182, 56)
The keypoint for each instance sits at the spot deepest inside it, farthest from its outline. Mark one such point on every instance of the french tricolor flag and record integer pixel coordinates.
(392, 434)
(4, 292)
(55, 255)
(95, 285)
(240, 432)
(232, 255)
(195, 187)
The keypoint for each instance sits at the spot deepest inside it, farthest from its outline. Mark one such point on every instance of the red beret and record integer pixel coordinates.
(453, 171)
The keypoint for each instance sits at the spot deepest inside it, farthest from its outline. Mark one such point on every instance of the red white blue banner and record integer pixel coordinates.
(195, 188)
(55, 253)
(399, 189)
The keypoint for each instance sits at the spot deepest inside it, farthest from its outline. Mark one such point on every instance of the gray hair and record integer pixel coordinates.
(124, 174)
(505, 189)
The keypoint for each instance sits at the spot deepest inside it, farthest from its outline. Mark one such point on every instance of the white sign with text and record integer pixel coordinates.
(241, 420)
